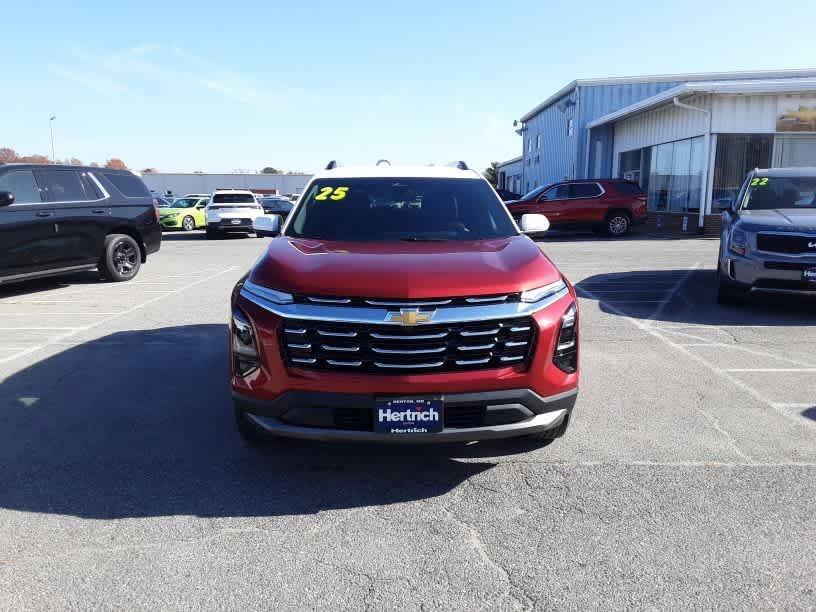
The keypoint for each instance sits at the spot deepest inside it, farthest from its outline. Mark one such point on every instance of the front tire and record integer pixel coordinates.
(121, 259)
(726, 295)
(548, 436)
(188, 224)
(618, 224)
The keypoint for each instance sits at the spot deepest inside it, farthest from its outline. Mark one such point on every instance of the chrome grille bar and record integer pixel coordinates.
(484, 300)
(477, 347)
(412, 366)
(352, 364)
(335, 334)
(322, 300)
(345, 349)
(398, 303)
(487, 332)
(378, 336)
(425, 351)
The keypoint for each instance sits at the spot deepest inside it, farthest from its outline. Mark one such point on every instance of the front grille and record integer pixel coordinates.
(395, 349)
(411, 303)
(784, 265)
(778, 283)
(795, 244)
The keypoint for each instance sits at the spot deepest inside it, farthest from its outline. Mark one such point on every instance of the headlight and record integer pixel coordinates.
(739, 242)
(272, 295)
(566, 348)
(531, 296)
(170, 216)
(244, 347)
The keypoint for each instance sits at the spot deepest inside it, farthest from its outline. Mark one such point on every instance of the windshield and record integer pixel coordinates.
(534, 193)
(233, 198)
(185, 203)
(767, 193)
(401, 209)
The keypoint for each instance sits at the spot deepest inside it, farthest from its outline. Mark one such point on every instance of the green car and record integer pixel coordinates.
(185, 213)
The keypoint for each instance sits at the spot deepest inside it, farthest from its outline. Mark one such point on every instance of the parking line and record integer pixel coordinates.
(794, 406)
(75, 330)
(55, 314)
(736, 347)
(37, 328)
(648, 328)
(770, 370)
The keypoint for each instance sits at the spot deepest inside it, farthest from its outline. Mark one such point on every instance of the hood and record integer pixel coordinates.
(783, 219)
(403, 270)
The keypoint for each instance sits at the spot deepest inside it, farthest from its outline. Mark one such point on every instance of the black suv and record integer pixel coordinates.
(60, 219)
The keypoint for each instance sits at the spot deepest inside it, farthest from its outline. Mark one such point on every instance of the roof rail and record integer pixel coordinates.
(332, 165)
(458, 164)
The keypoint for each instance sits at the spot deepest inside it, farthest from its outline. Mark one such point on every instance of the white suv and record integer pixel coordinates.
(231, 210)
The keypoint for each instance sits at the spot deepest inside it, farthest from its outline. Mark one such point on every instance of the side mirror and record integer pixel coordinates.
(534, 224)
(267, 225)
(6, 198)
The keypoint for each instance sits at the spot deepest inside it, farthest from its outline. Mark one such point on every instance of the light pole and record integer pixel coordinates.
(51, 129)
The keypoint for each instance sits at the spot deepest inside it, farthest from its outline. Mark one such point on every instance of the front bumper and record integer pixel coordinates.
(769, 273)
(227, 225)
(170, 223)
(350, 417)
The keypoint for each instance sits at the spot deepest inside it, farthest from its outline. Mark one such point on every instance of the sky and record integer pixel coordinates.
(218, 86)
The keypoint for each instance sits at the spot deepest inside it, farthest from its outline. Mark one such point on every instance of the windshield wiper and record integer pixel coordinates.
(422, 239)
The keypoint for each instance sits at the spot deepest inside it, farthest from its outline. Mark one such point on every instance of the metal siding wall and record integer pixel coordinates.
(663, 125)
(557, 149)
(745, 114)
(600, 100)
(512, 168)
(207, 183)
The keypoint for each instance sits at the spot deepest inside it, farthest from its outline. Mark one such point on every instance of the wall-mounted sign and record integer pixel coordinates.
(796, 114)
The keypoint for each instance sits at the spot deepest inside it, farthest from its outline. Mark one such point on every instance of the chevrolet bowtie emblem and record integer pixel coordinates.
(410, 316)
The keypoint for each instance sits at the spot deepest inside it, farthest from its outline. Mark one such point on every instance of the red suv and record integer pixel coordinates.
(403, 304)
(613, 206)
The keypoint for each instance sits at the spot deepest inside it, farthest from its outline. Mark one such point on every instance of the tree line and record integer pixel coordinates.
(10, 156)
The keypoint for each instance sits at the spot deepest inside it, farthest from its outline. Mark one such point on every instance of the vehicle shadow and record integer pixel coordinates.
(140, 423)
(695, 301)
(810, 413)
(50, 283)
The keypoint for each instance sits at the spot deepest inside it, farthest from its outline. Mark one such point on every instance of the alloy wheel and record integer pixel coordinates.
(125, 258)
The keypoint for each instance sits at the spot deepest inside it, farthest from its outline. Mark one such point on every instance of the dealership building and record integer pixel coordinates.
(179, 183)
(687, 139)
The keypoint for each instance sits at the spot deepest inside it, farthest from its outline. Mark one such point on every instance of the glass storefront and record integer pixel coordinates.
(736, 155)
(676, 175)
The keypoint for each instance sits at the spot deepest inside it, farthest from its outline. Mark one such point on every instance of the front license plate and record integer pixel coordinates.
(809, 275)
(236, 222)
(407, 415)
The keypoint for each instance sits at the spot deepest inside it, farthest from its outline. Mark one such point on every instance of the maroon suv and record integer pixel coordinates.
(608, 205)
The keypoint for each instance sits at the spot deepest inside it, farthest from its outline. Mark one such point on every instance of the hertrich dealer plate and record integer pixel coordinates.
(406, 416)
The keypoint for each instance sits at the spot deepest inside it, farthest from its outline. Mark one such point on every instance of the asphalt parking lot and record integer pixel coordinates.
(687, 479)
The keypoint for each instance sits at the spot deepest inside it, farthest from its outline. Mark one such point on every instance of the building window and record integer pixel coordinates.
(570, 127)
(538, 141)
(676, 176)
(736, 155)
(530, 144)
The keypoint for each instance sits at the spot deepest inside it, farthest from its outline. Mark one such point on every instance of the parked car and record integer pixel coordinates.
(768, 241)
(58, 219)
(609, 205)
(423, 320)
(231, 210)
(276, 205)
(508, 196)
(186, 213)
